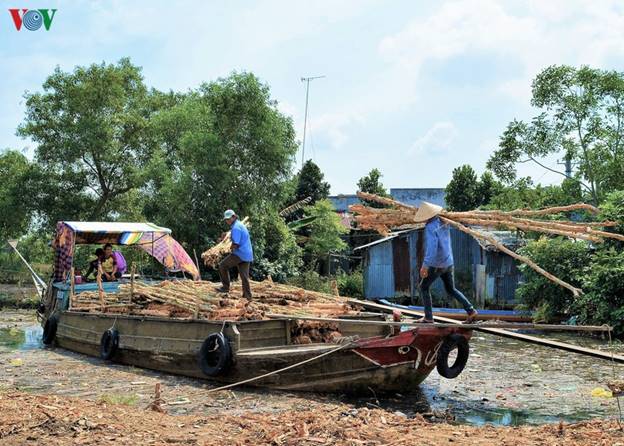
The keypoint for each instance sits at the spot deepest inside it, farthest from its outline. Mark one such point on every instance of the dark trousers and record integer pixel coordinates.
(116, 277)
(447, 276)
(231, 261)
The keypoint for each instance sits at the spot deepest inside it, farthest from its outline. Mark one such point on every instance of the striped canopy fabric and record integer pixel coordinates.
(153, 239)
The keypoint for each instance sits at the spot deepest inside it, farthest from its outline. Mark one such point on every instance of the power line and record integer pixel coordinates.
(305, 120)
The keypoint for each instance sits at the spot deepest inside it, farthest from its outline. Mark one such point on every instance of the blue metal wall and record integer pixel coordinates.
(379, 272)
(502, 275)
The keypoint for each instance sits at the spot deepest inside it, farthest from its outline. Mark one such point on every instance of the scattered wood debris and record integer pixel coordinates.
(23, 420)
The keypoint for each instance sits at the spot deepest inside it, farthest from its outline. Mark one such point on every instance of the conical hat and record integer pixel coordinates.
(426, 211)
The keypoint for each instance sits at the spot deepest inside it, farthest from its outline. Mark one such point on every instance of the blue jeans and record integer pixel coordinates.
(446, 274)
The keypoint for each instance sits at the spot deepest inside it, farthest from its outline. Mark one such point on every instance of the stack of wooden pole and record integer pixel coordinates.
(200, 299)
(400, 215)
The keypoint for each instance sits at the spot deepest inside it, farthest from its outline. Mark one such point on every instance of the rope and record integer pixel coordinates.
(275, 372)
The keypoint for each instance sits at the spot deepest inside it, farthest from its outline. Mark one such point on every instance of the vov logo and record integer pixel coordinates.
(32, 19)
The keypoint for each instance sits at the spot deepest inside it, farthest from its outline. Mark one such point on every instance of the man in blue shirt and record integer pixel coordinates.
(241, 255)
(438, 261)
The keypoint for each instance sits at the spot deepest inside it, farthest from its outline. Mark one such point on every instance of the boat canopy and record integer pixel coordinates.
(155, 240)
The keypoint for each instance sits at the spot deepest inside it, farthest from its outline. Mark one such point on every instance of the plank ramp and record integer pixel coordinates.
(500, 332)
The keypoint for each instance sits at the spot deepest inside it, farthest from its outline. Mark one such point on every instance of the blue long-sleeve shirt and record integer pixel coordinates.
(438, 252)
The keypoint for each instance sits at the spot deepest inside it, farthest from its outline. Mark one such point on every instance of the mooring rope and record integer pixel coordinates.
(275, 372)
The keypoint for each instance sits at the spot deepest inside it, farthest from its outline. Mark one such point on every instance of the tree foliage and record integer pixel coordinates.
(603, 301)
(15, 208)
(466, 192)
(371, 184)
(223, 146)
(523, 194)
(310, 183)
(580, 119)
(567, 260)
(462, 191)
(91, 131)
(325, 231)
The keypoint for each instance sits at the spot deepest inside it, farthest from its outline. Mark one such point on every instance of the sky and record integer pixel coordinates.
(413, 88)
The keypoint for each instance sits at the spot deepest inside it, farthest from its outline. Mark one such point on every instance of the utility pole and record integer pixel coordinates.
(305, 120)
(567, 162)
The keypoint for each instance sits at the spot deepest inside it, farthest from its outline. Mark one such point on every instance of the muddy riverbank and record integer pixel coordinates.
(27, 419)
(505, 383)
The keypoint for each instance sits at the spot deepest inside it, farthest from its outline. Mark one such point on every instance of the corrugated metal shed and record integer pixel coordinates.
(482, 272)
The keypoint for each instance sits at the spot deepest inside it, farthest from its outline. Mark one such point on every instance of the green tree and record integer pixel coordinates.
(15, 211)
(612, 209)
(523, 194)
(325, 232)
(223, 146)
(487, 188)
(580, 119)
(275, 248)
(603, 301)
(371, 184)
(567, 260)
(310, 183)
(462, 192)
(90, 127)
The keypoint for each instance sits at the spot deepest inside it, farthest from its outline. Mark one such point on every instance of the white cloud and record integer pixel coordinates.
(336, 127)
(436, 140)
(542, 34)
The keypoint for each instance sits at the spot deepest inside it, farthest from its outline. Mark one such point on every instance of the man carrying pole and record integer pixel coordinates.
(438, 261)
(240, 256)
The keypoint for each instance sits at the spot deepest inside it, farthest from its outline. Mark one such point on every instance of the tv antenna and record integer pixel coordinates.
(305, 119)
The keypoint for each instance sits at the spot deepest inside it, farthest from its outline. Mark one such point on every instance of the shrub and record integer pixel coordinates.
(351, 285)
(603, 301)
(564, 258)
(311, 280)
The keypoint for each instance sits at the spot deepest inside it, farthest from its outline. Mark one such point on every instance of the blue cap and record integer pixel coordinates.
(228, 214)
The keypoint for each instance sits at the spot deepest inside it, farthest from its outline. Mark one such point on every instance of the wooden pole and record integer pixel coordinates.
(72, 284)
(503, 325)
(504, 333)
(132, 273)
(100, 288)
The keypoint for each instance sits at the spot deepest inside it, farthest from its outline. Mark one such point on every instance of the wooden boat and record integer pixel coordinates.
(370, 356)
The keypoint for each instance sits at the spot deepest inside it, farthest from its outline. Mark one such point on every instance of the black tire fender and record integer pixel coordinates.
(109, 343)
(49, 329)
(449, 344)
(215, 355)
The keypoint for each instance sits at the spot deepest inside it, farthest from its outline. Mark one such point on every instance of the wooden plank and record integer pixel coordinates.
(502, 325)
(504, 333)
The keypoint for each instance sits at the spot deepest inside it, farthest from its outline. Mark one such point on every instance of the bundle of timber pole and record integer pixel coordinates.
(399, 215)
(200, 299)
(213, 256)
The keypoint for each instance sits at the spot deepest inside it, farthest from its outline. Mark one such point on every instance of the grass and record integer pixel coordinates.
(128, 400)
(15, 301)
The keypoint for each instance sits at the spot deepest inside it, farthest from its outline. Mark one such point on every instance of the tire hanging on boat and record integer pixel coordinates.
(49, 329)
(448, 345)
(109, 344)
(215, 355)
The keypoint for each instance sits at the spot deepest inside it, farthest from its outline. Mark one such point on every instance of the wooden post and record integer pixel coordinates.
(100, 288)
(72, 283)
(132, 273)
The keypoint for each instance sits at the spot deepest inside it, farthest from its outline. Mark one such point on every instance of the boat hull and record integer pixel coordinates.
(374, 361)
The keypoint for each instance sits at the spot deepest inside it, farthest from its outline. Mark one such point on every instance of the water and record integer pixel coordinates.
(23, 338)
(505, 382)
